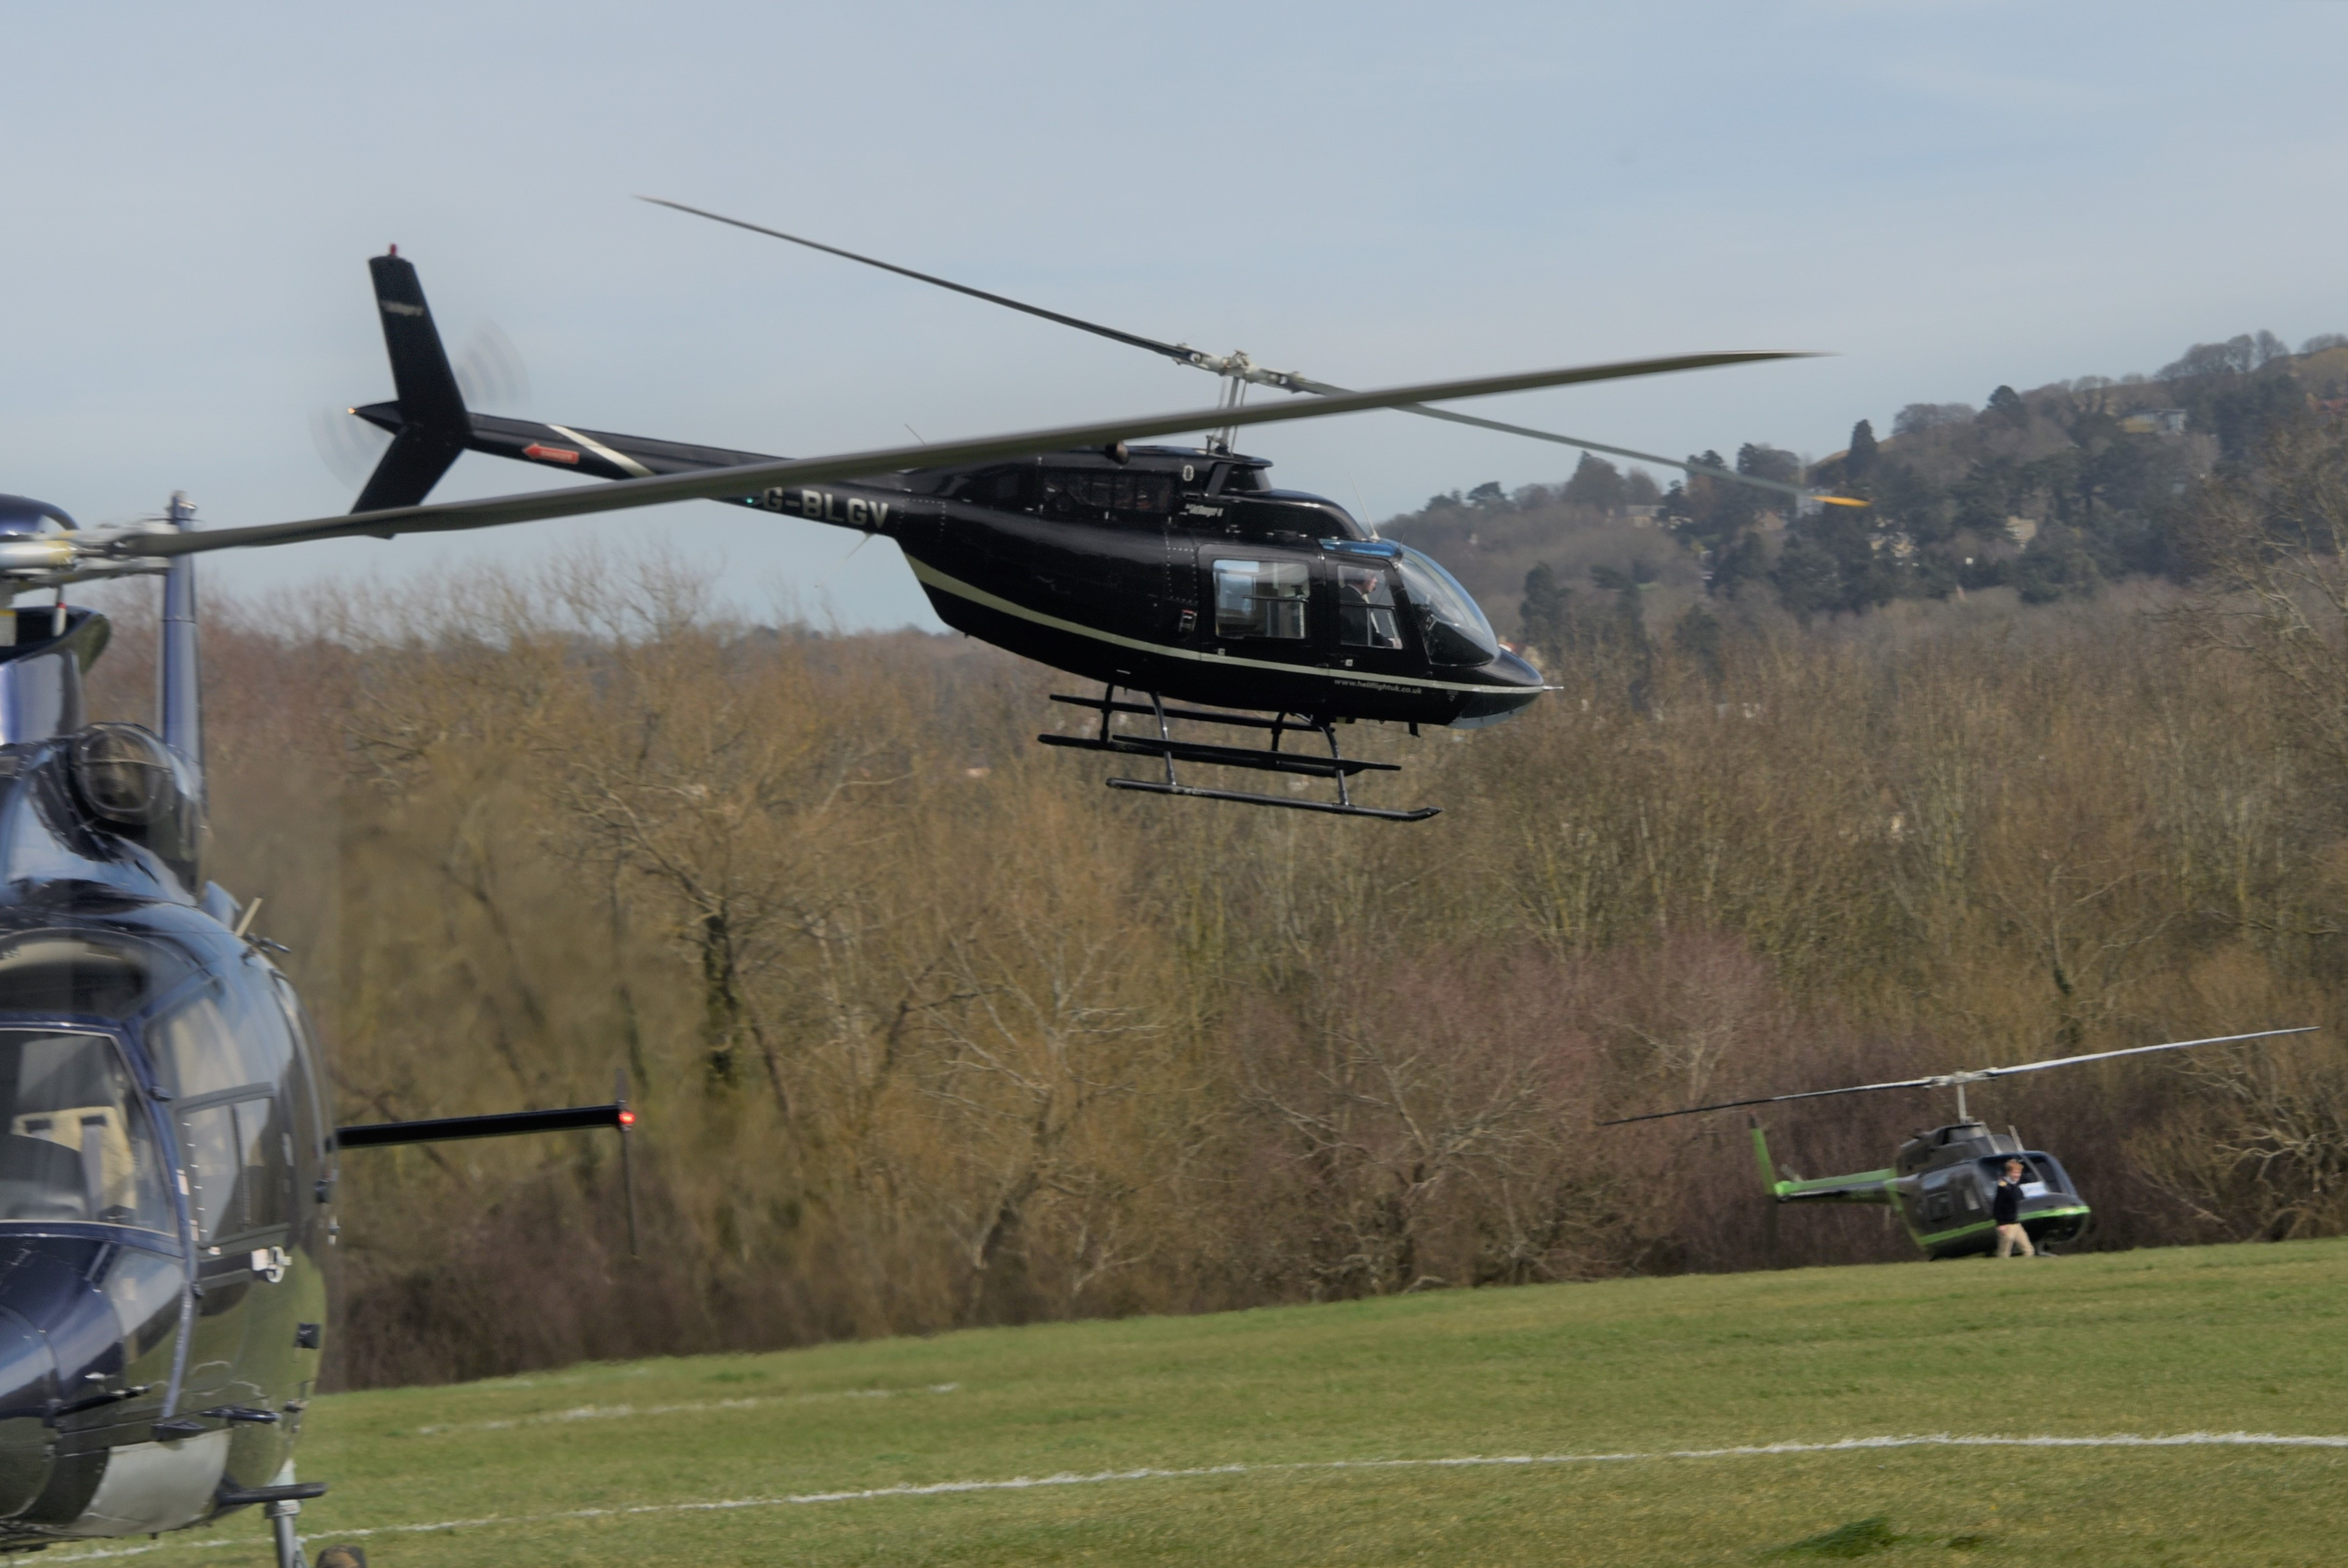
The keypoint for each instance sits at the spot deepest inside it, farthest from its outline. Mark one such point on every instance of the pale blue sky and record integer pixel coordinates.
(1945, 196)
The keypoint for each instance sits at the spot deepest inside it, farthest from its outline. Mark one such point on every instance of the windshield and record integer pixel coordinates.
(2039, 1174)
(77, 1145)
(1456, 632)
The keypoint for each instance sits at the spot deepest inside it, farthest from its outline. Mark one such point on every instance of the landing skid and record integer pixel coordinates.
(1336, 766)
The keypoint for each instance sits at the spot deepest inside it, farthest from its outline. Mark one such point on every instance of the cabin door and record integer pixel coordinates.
(237, 1147)
(1261, 605)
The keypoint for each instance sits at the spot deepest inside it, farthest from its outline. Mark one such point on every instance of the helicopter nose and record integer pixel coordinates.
(1517, 669)
(1514, 684)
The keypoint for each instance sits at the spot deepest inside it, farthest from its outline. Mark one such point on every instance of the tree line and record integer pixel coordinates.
(927, 1028)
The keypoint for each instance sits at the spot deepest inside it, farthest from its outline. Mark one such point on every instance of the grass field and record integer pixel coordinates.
(1285, 1426)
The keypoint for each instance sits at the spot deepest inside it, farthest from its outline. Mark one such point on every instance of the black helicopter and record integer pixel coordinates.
(168, 1168)
(1941, 1182)
(1175, 574)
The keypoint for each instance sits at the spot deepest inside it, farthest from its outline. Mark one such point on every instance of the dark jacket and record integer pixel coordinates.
(2007, 1205)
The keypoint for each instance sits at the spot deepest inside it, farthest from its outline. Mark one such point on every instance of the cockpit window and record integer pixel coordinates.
(57, 972)
(1457, 631)
(2039, 1174)
(1241, 480)
(222, 1040)
(76, 1146)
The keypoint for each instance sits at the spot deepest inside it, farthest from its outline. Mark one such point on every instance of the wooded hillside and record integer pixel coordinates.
(2051, 493)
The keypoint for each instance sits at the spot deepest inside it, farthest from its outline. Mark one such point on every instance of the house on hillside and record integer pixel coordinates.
(2154, 422)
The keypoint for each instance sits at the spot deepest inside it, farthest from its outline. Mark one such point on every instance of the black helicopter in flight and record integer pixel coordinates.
(1943, 1182)
(167, 1166)
(1175, 574)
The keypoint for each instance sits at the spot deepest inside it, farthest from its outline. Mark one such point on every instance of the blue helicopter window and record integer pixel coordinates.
(76, 1146)
(1457, 631)
(236, 1167)
(53, 972)
(1261, 598)
(222, 1040)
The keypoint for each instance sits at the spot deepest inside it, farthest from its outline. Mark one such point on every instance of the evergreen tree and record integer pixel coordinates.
(1698, 635)
(1597, 483)
(1742, 559)
(1860, 460)
(1547, 613)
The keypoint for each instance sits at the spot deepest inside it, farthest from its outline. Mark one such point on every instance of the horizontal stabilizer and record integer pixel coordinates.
(408, 470)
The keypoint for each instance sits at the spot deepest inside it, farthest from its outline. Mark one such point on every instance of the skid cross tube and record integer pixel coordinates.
(1268, 758)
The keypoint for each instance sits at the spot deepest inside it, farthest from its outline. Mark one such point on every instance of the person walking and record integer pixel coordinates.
(2005, 1208)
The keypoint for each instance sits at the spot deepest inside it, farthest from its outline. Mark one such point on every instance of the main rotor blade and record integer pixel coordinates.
(746, 478)
(1183, 354)
(1977, 1074)
(1797, 492)
(2136, 1051)
(1773, 1099)
(1174, 352)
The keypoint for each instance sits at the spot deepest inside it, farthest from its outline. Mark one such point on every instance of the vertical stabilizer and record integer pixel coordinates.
(1761, 1154)
(433, 422)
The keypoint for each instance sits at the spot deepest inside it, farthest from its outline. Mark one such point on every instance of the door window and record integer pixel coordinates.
(309, 1115)
(1261, 599)
(993, 487)
(1365, 608)
(230, 1037)
(236, 1167)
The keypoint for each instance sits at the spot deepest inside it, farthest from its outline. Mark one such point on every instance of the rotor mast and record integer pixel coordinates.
(178, 697)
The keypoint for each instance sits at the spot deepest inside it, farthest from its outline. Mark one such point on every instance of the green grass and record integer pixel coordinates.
(2215, 1339)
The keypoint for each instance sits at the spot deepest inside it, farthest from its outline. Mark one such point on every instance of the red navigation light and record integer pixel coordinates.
(627, 1118)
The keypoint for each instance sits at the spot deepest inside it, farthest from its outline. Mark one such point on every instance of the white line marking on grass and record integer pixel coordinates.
(1293, 1467)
